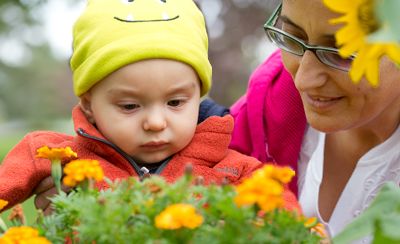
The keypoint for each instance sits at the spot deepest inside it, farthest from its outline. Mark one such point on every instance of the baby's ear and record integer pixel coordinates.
(86, 106)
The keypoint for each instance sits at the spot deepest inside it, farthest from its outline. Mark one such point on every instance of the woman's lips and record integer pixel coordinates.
(322, 102)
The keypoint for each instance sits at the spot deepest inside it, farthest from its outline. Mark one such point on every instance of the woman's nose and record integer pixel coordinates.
(311, 73)
(155, 121)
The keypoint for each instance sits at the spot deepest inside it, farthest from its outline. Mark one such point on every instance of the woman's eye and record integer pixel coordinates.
(175, 103)
(163, 1)
(129, 106)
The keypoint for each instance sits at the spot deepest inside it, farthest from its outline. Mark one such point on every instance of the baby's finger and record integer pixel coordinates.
(42, 199)
(44, 185)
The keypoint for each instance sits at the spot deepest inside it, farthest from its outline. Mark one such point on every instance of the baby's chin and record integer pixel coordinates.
(152, 159)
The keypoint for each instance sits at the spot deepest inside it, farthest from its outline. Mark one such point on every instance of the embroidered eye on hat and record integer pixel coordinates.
(113, 33)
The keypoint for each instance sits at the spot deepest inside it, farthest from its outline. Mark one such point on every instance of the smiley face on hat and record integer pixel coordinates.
(150, 11)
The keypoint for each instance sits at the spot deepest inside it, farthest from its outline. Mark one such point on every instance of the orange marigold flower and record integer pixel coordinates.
(313, 224)
(22, 234)
(177, 216)
(264, 188)
(55, 153)
(3, 203)
(17, 214)
(79, 170)
(270, 203)
(283, 174)
(320, 230)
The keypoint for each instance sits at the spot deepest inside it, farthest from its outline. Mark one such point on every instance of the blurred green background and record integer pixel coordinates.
(35, 46)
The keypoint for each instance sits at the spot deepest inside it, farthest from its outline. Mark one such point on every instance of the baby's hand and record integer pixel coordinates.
(43, 191)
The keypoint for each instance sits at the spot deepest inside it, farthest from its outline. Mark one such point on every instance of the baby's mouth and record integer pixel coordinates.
(130, 18)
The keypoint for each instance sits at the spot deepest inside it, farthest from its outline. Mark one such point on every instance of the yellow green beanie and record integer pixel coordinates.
(113, 33)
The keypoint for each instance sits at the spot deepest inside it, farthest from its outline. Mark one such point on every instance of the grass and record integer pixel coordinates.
(7, 142)
(29, 211)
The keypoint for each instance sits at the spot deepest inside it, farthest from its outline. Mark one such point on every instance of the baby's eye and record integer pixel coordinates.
(129, 107)
(127, 1)
(175, 103)
(162, 1)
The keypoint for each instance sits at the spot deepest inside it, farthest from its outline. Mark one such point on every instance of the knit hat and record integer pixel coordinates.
(113, 33)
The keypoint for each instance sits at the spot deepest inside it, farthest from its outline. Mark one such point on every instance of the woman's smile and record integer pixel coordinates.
(322, 102)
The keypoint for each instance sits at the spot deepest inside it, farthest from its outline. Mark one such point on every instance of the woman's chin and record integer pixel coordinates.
(325, 124)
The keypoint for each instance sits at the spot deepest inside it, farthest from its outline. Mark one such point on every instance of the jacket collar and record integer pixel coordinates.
(209, 144)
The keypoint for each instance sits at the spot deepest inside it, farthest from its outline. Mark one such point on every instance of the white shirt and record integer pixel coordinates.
(379, 165)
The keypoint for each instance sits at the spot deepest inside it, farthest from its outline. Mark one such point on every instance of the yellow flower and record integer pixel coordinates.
(316, 227)
(177, 216)
(3, 203)
(22, 234)
(283, 174)
(79, 170)
(264, 188)
(310, 222)
(55, 153)
(3, 225)
(360, 21)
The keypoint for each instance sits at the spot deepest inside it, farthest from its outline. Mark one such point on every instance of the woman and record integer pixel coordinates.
(351, 143)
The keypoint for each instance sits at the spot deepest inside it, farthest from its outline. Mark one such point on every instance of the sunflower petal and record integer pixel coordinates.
(358, 67)
(341, 6)
(372, 72)
(350, 48)
(344, 35)
(393, 51)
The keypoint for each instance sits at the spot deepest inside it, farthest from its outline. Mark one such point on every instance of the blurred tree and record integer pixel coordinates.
(237, 43)
(35, 86)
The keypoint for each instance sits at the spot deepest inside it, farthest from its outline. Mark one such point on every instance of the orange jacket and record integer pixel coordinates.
(208, 153)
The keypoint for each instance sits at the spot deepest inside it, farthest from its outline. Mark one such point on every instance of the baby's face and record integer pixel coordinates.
(149, 109)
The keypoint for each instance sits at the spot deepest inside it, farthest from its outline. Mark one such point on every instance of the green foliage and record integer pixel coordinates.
(387, 12)
(35, 86)
(381, 219)
(6, 144)
(126, 213)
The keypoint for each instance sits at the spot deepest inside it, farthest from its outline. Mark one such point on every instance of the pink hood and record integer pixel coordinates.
(269, 118)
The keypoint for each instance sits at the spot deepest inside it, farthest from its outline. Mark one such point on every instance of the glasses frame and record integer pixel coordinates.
(270, 26)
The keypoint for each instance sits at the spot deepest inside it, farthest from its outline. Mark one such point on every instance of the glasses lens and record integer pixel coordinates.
(333, 59)
(285, 42)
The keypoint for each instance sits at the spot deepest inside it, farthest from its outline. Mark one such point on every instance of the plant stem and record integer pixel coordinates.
(56, 173)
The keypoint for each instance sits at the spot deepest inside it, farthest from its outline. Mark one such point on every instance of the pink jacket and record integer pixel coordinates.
(269, 119)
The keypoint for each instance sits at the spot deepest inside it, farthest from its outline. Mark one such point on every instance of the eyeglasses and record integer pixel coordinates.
(326, 55)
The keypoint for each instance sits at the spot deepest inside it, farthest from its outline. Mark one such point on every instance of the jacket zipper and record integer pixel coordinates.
(81, 132)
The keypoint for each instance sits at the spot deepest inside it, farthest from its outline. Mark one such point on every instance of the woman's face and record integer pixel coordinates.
(331, 101)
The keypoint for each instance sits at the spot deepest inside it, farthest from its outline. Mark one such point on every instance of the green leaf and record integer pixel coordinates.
(390, 226)
(386, 203)
(385, 232)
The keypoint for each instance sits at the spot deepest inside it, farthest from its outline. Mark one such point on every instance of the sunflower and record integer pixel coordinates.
(360, 22)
